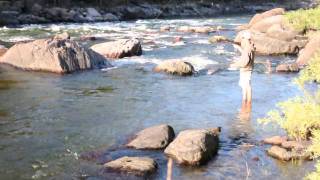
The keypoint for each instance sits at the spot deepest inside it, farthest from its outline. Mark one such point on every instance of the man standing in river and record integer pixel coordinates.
(245, 65)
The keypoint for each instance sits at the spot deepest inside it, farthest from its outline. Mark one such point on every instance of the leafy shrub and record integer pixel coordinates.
(304, 20)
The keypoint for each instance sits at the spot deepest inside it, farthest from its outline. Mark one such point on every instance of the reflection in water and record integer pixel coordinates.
(241, 128)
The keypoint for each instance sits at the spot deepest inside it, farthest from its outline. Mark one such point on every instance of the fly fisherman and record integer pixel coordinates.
(245, 65)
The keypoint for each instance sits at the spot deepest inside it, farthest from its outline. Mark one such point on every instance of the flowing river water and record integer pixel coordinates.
(47, 120)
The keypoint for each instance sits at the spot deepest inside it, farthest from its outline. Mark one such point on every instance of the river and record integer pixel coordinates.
(47, 120)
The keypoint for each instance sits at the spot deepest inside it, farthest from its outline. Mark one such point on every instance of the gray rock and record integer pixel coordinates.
(156, 137)
(31, 19)
(136, 165)
(36, 9)
(194, 147)
(119, 49)
(9, 18)
(53, 55)
(286, 155)
(175, 67)
(110, 17)
(93, 15)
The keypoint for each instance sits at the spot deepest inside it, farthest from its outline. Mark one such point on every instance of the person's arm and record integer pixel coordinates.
(242, 62)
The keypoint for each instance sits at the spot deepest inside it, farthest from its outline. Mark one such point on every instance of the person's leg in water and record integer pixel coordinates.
(246, 97)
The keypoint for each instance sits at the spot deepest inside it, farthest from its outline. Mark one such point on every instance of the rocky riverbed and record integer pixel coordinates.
(69, 126)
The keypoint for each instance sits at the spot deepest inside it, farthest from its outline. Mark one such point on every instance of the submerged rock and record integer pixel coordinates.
(56, 55)
(216, 39)
(275, 140)
(194, 147)
(156, 137)
(119, 49)
(175, 67)
(137, 165)
(292, 67)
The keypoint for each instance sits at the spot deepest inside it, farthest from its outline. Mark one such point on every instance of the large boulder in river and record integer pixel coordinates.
(119, 49)
(260, 16)
(53, 55)
(194, 147)
(265, 24)
(175, 67)
(156, 137)
(310, 50)
(266, 45)
(137, 165)
(280, 32)
(2, 50)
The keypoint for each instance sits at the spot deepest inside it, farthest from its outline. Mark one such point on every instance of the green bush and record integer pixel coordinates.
(304, 20)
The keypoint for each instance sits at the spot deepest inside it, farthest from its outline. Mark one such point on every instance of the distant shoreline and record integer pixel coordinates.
(14, 15)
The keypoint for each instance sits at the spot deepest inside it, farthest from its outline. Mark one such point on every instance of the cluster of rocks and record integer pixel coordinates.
(62, 55)
(16, 12)
(190, 147)
(59, 54)
(272, 35)
(285, 149)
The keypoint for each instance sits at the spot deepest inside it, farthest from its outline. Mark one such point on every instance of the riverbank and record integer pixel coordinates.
(17, 13)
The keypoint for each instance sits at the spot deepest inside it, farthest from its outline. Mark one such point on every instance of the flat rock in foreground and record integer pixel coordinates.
(119, 49)
(55, 55)
(175, 67)
(286, 155)
(194, 147)
(136, 165)
(156, 137)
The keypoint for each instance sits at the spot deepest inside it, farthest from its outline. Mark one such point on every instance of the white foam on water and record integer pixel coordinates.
(20, 38)
(201, 41)
(135, 60)
(199, 62)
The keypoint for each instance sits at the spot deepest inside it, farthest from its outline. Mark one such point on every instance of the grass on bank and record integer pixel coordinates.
(304, 20)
